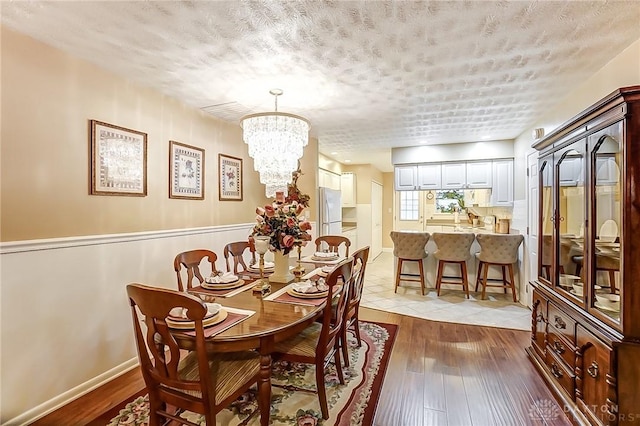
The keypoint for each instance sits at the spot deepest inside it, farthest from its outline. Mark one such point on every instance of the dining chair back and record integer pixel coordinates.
(410, 247)
(333, 244)
(453, 248)
(360, 258)
(320, 342)
(235, 252)
(178, 380)
(501, 251)
(190, 261)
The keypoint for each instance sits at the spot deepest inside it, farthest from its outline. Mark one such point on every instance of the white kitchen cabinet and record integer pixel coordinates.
(502, 190)
(479, 174)
(348, 188)
(406, 178)
(454, 175)
(429, 176)
(352, 235)
(329, 179)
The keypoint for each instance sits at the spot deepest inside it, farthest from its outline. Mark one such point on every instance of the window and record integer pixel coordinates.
(449, 201)
(409, 205)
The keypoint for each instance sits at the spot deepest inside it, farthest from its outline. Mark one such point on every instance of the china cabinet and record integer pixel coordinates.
(585, 337)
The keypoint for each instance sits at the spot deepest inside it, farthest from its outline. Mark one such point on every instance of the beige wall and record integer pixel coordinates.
(621, 71)
(48, 99)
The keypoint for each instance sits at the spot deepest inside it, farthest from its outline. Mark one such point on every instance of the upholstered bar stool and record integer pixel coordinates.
(497, 250)
(410, 247)
(453, 248)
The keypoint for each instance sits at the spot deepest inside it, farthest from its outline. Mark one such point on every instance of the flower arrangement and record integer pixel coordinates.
(282, 223)
(294, 193)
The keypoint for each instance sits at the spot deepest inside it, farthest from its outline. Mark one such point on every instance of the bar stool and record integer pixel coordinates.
(497, 250)
(453, 248)
(410, 247)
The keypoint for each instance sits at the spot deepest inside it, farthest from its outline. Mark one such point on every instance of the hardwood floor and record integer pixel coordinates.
(439, 374)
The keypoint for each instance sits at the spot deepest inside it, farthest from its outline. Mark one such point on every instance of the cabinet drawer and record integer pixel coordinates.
(594, 358)
(561, 348)
(565, 377)
(562, 323)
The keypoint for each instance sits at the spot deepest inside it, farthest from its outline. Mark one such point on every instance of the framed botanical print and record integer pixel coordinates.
(186, 171)
(229, 178)
(118, 160)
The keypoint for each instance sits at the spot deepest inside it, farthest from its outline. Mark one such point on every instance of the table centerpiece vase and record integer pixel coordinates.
(281, 272)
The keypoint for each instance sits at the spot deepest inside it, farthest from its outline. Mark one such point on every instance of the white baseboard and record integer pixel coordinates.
(61, 400)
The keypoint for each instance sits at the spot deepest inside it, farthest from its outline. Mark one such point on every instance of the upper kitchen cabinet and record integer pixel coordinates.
(479, 174)
(417, 177)
(469, 175)
(454, 175)
(502, 184)
(429, 176)
(348, 188)
(327, 179)
(406, 178)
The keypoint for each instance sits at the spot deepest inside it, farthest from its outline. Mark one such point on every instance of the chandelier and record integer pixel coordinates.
(276, 141)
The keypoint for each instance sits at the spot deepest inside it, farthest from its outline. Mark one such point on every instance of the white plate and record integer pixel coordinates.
(608, 231)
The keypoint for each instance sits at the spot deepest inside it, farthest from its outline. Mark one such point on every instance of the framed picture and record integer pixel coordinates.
(229, 178)
(186, 171)
(118, 160)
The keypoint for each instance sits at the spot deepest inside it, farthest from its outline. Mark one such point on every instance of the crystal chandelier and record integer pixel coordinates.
(276, 141)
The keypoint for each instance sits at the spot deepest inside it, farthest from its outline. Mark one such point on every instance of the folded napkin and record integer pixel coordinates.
(328, 268)
(267, 265)
(325, 254)
(310, 287)
(225, 278)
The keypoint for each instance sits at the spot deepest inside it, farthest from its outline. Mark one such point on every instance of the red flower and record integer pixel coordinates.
(288, 241)
(305, 226)
(270, 211)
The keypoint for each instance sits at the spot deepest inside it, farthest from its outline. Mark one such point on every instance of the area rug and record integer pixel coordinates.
(294, 400)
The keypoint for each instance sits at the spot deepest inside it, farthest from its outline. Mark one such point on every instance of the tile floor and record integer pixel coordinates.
(498, 310)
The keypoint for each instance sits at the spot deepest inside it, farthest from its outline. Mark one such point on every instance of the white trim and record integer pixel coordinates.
(79, 241)
(65, 398)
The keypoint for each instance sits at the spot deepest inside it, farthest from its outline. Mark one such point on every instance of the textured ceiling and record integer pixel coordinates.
(369, 75)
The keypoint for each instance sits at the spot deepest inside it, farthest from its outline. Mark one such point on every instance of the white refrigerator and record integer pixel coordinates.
(330, 212)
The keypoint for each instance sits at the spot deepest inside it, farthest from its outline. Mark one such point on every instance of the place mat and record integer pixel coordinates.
(234, 316)
(282, 296)
(220, 293)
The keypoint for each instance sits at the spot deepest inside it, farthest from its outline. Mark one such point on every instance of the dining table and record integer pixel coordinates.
(262, 324)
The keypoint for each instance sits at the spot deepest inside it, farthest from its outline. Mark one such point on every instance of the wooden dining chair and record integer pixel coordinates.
(320, 342)
(198, 381)
(333, 243)
(236, 252)
(190, 261)
(360, 258)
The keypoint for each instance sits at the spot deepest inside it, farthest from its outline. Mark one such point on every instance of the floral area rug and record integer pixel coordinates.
(294, 400)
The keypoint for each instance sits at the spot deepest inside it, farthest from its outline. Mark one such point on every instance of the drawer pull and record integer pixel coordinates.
(555, 370)
(558, 347)
(559, 322)
(593, 369)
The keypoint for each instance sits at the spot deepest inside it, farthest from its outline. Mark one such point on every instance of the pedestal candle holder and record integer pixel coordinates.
(262, 246)
(299, 270)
